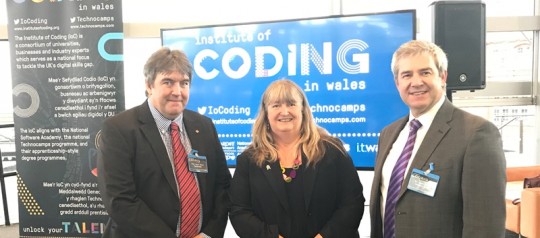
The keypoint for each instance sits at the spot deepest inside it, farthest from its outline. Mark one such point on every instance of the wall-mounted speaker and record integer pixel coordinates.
(459, 28)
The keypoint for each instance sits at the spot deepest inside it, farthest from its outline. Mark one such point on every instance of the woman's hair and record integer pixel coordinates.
(416, 47)
(263, 148)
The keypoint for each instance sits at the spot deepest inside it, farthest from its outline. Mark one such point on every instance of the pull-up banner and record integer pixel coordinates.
(67, 68)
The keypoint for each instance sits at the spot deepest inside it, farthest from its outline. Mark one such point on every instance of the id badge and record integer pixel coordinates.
(423, 182)
(197, 163)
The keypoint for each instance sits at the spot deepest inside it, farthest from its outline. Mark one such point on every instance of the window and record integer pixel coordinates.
(6, 97)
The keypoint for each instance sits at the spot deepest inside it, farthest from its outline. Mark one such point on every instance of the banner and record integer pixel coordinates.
(67, 69)
(342, 63)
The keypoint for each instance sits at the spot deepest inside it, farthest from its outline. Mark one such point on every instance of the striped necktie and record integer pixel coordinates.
(396, 179)
(190, 196)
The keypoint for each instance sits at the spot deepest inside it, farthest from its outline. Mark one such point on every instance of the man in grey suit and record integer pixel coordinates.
(453, 185)
(136, 167)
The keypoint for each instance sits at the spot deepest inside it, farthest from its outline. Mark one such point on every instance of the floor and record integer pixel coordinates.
(11, 231)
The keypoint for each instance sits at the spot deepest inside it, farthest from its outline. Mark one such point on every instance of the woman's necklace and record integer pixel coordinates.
(292, 174)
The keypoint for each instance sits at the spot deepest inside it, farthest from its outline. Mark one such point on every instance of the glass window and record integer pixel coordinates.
(509, 69)
(498, 8)
(509, 56)
(517, 125)
(7, 148)
(6, 97)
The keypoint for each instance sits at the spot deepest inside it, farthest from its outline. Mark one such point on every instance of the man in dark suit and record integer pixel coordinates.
(136, 169)
(454, 181)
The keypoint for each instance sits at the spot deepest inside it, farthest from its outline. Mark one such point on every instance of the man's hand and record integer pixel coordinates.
(201, 235)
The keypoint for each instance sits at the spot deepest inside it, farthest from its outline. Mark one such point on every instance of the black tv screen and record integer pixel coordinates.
(341, 62)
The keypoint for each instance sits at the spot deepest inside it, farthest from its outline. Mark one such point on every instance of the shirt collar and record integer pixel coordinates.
(427, 118)
(162, 122)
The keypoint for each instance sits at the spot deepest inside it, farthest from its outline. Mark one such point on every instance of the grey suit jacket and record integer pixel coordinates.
(469, 201)
(137, 182)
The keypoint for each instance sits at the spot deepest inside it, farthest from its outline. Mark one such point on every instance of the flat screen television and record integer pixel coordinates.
(341, 62)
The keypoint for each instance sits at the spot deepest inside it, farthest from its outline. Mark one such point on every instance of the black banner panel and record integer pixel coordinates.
(67, 68)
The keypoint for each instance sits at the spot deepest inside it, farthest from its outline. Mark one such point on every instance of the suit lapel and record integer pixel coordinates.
(150, 131)
(275, 179)
(390, 135)
(387, 139)
(436, 133)
(386, 145)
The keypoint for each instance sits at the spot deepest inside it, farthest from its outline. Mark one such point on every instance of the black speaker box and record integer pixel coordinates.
(459, 28)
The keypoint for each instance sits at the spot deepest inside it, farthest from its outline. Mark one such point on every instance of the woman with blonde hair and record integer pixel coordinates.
(294, 179)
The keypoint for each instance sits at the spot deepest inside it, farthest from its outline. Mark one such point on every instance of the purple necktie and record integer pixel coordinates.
(396, 179)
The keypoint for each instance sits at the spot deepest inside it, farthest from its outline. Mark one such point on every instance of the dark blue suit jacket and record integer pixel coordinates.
(137, 182)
